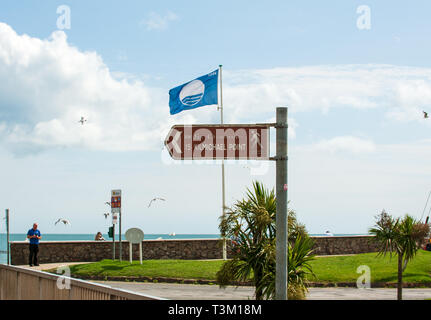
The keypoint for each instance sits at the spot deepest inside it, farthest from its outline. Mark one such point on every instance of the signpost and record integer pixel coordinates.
(114, 218)
(135, 235)
(281, 205)
(221, 141)
(238, 142)
(114, 222)
(115, 211)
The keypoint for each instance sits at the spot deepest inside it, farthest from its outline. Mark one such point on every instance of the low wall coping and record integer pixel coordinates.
(172, 240)
(110, 241)
(353, 236)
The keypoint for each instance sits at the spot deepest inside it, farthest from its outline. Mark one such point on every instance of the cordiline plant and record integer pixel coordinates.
(401, 237)
(250, 224)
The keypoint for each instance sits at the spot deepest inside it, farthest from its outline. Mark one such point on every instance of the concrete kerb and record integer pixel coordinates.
(248, 284)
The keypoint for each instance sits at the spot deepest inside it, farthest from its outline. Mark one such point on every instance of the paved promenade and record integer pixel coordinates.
(213, 292)
(48, 266)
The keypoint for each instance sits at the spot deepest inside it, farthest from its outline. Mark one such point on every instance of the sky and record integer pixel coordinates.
(355, 76)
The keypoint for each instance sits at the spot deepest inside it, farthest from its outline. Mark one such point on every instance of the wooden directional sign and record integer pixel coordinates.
(229, 141)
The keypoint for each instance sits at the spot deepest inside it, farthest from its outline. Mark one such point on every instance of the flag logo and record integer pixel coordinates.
(192, 93)
(197, 93)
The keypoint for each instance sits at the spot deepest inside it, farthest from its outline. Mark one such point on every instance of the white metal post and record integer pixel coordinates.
(121, 249)
(130, 252)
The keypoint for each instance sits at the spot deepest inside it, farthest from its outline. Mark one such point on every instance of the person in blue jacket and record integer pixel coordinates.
(34, 236)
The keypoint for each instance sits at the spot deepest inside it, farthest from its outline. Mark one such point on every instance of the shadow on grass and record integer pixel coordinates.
(112, 268)
(407, 277)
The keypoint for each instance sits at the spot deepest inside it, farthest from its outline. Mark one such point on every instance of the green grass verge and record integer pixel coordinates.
(184, 269)
(327, 269)
(383, 269)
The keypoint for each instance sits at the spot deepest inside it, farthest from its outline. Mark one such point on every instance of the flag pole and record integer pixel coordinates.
(220, 107)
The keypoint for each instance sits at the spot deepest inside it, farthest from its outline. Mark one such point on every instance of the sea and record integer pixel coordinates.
(90, 237)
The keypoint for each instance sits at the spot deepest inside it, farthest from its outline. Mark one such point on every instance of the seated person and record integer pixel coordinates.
(99, 237)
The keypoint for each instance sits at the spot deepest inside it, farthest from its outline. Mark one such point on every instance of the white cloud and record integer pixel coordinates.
(47, 85)
(401, 92)
(346, 144)
(155, 21)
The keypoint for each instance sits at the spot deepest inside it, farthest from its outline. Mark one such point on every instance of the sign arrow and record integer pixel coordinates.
(228, 141)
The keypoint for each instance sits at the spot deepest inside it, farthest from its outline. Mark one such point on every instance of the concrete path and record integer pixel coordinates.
(184, 291)
(366, 294)
(48, 266)
(213, 292)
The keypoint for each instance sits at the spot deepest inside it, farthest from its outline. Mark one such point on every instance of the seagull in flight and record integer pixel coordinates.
(62, 220)
(82, 120)
(425, 114)
(106, 215)
(152, 200)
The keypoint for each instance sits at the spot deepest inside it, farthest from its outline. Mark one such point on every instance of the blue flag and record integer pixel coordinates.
(197, 93)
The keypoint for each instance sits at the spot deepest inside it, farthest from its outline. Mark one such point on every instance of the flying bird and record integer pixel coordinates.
(152, 200)
(82, 120)
(62, 220)
(106, 215)
(425, 114)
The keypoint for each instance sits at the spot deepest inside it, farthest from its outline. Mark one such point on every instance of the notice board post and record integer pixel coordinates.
(281, 245)
(116, 209)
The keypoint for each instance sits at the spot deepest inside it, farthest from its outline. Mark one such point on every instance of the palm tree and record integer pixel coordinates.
(299, 257)
(250, 223)
(403, 237)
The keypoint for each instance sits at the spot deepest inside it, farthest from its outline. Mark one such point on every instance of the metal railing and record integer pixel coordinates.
(19, 283)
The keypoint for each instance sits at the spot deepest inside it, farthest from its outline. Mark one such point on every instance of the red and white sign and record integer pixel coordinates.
(114, 217)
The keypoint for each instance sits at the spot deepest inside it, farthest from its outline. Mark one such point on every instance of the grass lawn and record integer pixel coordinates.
(327, 269)
(185, 269)
(383, 269)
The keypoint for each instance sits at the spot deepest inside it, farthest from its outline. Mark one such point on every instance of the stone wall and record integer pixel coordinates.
(77, 251)
(343, 245)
